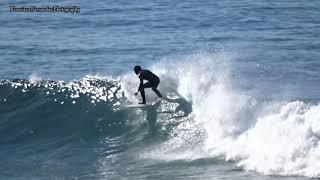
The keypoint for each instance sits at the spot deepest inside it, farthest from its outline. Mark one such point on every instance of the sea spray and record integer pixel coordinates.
(268, 136)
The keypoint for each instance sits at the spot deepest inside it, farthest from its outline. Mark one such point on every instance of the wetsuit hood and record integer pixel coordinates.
(137, 69)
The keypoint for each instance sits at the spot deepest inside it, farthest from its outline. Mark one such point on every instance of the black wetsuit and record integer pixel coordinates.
(153, 82)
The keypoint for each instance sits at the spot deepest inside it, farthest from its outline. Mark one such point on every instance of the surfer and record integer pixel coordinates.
(153, 82)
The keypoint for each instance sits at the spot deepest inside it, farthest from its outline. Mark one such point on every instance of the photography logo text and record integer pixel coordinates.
(51, 9)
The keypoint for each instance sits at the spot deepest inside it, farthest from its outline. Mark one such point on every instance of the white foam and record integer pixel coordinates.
(268, 137)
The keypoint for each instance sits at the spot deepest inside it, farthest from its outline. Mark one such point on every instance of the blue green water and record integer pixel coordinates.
(240, 80)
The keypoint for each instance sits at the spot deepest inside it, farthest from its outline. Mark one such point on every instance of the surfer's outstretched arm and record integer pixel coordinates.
(140, 86)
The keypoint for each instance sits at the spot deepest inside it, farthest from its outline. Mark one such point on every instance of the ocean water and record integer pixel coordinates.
(240, 79)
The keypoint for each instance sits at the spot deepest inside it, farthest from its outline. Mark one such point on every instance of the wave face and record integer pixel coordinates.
(205, 115)
(36, 108)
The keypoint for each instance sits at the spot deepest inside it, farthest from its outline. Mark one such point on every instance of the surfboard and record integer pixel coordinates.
(143, 105)
(137, 105)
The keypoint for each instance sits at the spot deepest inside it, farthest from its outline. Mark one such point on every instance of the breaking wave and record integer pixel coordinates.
(204, 115)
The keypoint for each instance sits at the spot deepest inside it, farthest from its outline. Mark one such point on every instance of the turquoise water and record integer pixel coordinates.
(240, 79)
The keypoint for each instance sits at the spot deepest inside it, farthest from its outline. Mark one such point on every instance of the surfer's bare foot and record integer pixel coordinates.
(142, 103)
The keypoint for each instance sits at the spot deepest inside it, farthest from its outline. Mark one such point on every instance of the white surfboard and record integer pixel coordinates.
(137, 105)
(143, 105)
